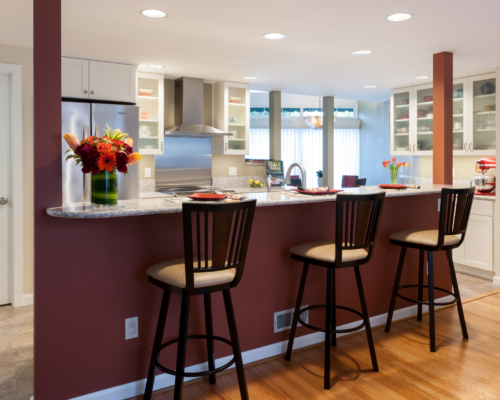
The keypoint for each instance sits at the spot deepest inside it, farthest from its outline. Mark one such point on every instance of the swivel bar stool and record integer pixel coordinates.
(454, 216)
(216, 240)
(357, 222)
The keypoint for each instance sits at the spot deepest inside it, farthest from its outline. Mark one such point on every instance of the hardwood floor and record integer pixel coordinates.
(458, 370)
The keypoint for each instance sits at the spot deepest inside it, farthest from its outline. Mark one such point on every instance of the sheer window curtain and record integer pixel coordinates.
(305, 146)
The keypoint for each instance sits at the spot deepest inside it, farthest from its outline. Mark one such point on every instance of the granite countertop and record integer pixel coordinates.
(482, 197)
(159, 203)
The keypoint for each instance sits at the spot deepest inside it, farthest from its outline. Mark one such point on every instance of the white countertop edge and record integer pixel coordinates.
(160, 205)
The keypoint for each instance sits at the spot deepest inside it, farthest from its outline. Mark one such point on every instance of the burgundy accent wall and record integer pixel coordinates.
(443, 119)
(94, 277)
(47, 178)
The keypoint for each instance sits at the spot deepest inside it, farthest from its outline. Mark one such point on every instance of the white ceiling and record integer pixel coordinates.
(221, 40)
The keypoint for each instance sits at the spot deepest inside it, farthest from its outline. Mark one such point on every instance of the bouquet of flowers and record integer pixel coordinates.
(96, 154)
(394, 168)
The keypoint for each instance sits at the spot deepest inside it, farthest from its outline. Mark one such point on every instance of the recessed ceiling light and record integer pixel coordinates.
(399, 17)
(250, 77)
(154, 13)
(274, 36)
(361, 52)
(155, 66)
(258, 91)
(369, 87)
(422, 77)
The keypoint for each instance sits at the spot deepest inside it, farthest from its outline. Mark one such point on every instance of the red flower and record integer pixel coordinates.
(121, 161)
(107, 162)
(394, 159)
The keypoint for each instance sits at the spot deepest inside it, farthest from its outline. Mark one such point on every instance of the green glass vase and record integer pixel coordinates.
(394, 176)
(104, 189)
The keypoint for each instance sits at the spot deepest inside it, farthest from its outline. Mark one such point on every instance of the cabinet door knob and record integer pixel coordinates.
(92, 92)
(3, 201)
(85, 91)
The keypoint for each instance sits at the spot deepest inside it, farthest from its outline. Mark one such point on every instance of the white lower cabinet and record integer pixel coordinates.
(477, 249)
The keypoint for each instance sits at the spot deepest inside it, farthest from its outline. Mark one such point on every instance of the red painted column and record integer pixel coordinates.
(443, 119)
(48, 174)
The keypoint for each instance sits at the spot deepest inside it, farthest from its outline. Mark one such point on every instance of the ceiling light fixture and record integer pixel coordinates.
(274, 36)
(422, 77)
(154, 13)
(250, 77)
(155, 66)
(362, 52)
(369, 87)
(258, 91)
(399, 17)
(314, 119)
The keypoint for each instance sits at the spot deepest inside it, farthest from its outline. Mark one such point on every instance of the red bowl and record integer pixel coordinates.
(207, 196)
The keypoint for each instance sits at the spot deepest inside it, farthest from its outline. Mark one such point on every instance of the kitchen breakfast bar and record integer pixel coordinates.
(152, 232)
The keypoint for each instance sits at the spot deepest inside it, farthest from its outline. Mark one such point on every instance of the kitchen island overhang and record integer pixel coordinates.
(99, 289)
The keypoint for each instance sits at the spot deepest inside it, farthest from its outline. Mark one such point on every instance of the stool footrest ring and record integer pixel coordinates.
(193, 374)
(315, 328)
(447, 303)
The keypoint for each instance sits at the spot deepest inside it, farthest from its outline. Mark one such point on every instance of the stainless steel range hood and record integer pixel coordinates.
(189, 111)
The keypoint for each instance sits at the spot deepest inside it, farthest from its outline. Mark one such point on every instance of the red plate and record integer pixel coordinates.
(207, 196)
(332, 191)
(383, 186)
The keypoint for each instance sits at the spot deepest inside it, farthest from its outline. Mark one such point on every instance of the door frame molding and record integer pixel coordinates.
(16, 250)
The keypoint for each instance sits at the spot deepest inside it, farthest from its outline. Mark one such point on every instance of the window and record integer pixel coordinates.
(259, 111)
(290, 112)
(344, 112)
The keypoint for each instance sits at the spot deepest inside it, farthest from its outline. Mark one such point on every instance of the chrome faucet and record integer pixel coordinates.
(269, 182)
(288, 180)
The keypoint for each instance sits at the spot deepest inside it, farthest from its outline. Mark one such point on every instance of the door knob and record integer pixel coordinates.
(92, 92)
(3, 201)
(85, 91)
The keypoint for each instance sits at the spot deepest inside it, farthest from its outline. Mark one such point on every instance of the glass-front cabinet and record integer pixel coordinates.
(483, 108)
(400, 122)
(232, 114)
(474, 118)
(150, 100)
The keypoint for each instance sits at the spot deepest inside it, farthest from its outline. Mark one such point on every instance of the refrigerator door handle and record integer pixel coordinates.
(86, 177)
(96, 131)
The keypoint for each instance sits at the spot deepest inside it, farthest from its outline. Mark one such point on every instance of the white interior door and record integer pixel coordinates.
(5, 126)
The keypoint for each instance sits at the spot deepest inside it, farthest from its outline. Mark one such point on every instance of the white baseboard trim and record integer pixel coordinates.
(24, 300)
(496, 280)
(165, 380)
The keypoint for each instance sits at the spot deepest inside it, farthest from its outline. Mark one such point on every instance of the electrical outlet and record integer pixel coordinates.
(147, 172)
(233, 171)
(131, 328)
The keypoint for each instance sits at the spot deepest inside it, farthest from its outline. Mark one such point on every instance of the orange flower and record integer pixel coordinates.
(129, 141)
(399, 164)
(87, 139)
(394, 159)
(133, 158)
(103, 147)
(384, 163)
(107, 162)
(72, 140)
(407, 165)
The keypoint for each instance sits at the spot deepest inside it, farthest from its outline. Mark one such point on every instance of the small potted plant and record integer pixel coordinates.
(393, 168)
(319, 174)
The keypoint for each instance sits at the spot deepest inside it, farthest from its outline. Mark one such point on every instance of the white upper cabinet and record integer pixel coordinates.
(150, 99)
(474, 112)
(75, 78)
(232, 114)
(86, 79)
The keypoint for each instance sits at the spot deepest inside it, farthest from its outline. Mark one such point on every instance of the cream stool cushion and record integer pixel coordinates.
(324, 250)
(173, 273)
(426, 237)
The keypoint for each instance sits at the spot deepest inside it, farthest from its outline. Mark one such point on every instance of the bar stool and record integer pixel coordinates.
(357, 222)
(212, 263)
(454, 216)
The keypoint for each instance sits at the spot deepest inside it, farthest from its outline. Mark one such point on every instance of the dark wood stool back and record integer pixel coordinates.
(360, 216)
(348, 181)
(216, 237)
(456, 205)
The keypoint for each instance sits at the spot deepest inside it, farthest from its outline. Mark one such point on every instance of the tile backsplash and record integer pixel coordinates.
(228, 182)
(146, 185)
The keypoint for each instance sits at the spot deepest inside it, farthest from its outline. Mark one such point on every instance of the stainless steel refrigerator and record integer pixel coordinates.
(87, 119)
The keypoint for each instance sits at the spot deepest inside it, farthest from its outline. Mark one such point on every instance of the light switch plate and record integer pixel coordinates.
(131, 328)
(233, 171)
(147, 172)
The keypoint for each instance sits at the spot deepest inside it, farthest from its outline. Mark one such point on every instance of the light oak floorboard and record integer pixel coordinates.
(459, 370)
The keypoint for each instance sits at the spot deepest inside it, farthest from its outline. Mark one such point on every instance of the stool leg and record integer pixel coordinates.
(160, 328)
(432, 328)
(366, 317)
(210, 332)
(328, 326)
(395, 289)
(296, 313)
(181, 349)
(334, 311)
(240, 371)
(457, 293)
(420, 283)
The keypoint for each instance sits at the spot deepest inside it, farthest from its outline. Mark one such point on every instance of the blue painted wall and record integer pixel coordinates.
(375, 145)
